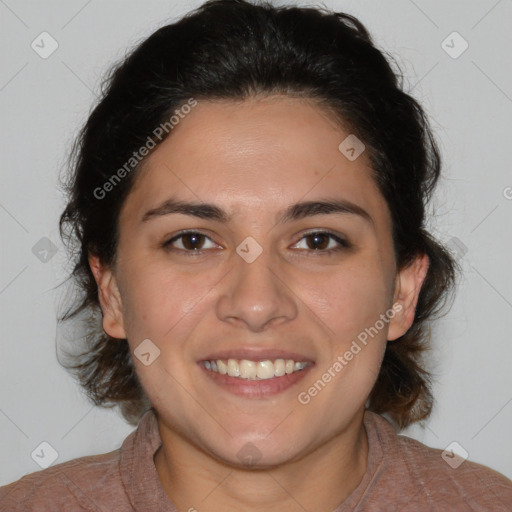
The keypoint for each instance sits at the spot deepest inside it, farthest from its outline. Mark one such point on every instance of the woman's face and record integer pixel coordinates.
(260, 280)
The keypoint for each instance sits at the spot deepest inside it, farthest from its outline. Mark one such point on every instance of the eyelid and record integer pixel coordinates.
(323, 231)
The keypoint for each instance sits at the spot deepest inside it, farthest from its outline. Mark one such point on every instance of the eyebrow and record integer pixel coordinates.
(295, 211)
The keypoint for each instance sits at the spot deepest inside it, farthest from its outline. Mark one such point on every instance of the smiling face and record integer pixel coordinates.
(256, 279)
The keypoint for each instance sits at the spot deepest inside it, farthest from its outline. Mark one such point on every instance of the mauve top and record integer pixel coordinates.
(402, 475)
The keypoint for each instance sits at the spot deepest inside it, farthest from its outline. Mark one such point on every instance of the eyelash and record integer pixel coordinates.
(343, 244)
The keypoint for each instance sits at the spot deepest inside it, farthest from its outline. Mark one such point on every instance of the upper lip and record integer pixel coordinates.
(256, 354)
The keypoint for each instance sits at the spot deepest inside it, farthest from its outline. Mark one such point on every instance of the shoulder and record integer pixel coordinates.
(110, 481)
(451, 479)
(436, 478)
(79, 484)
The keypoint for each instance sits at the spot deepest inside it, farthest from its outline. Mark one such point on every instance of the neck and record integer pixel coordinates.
(320, 480)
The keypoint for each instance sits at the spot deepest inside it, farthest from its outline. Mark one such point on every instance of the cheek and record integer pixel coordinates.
(155, 300)
(168, 308)
(350, 299)
(361, 317)
(160, 306)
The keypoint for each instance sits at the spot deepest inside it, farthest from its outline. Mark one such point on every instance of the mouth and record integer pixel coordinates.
(257, 375)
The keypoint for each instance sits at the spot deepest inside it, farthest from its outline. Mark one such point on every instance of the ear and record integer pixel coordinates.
(110, 298)
(408, 285)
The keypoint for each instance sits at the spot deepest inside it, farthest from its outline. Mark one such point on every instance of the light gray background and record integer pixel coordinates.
(44, 101)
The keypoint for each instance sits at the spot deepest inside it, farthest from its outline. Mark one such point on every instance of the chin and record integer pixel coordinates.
(255, 452)
(252, 458)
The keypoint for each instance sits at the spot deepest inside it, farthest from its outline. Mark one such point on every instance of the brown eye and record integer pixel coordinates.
(188, 241)
(192, 241)
(322, 241)
(318, 241)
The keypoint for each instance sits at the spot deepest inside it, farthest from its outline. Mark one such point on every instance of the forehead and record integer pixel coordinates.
(256, 153)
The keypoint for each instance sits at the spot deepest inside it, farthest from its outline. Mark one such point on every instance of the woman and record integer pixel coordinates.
(248, 199)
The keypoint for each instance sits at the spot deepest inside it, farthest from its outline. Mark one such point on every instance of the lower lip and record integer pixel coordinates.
(256, 388)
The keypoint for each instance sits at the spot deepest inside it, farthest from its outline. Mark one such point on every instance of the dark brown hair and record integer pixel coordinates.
(232, 49)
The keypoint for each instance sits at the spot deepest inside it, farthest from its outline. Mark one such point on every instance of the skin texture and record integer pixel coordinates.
(253, 159)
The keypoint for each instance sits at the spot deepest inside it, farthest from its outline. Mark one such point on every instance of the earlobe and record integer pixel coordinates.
(409, 282)
(109, 297)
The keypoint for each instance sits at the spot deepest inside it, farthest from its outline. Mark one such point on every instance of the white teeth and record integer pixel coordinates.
(233, 368)
(248, 369)
(222, 367)
(279, 367)
(265, 370)
(251, 370)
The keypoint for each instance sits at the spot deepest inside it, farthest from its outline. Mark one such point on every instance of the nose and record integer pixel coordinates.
(256, 294)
